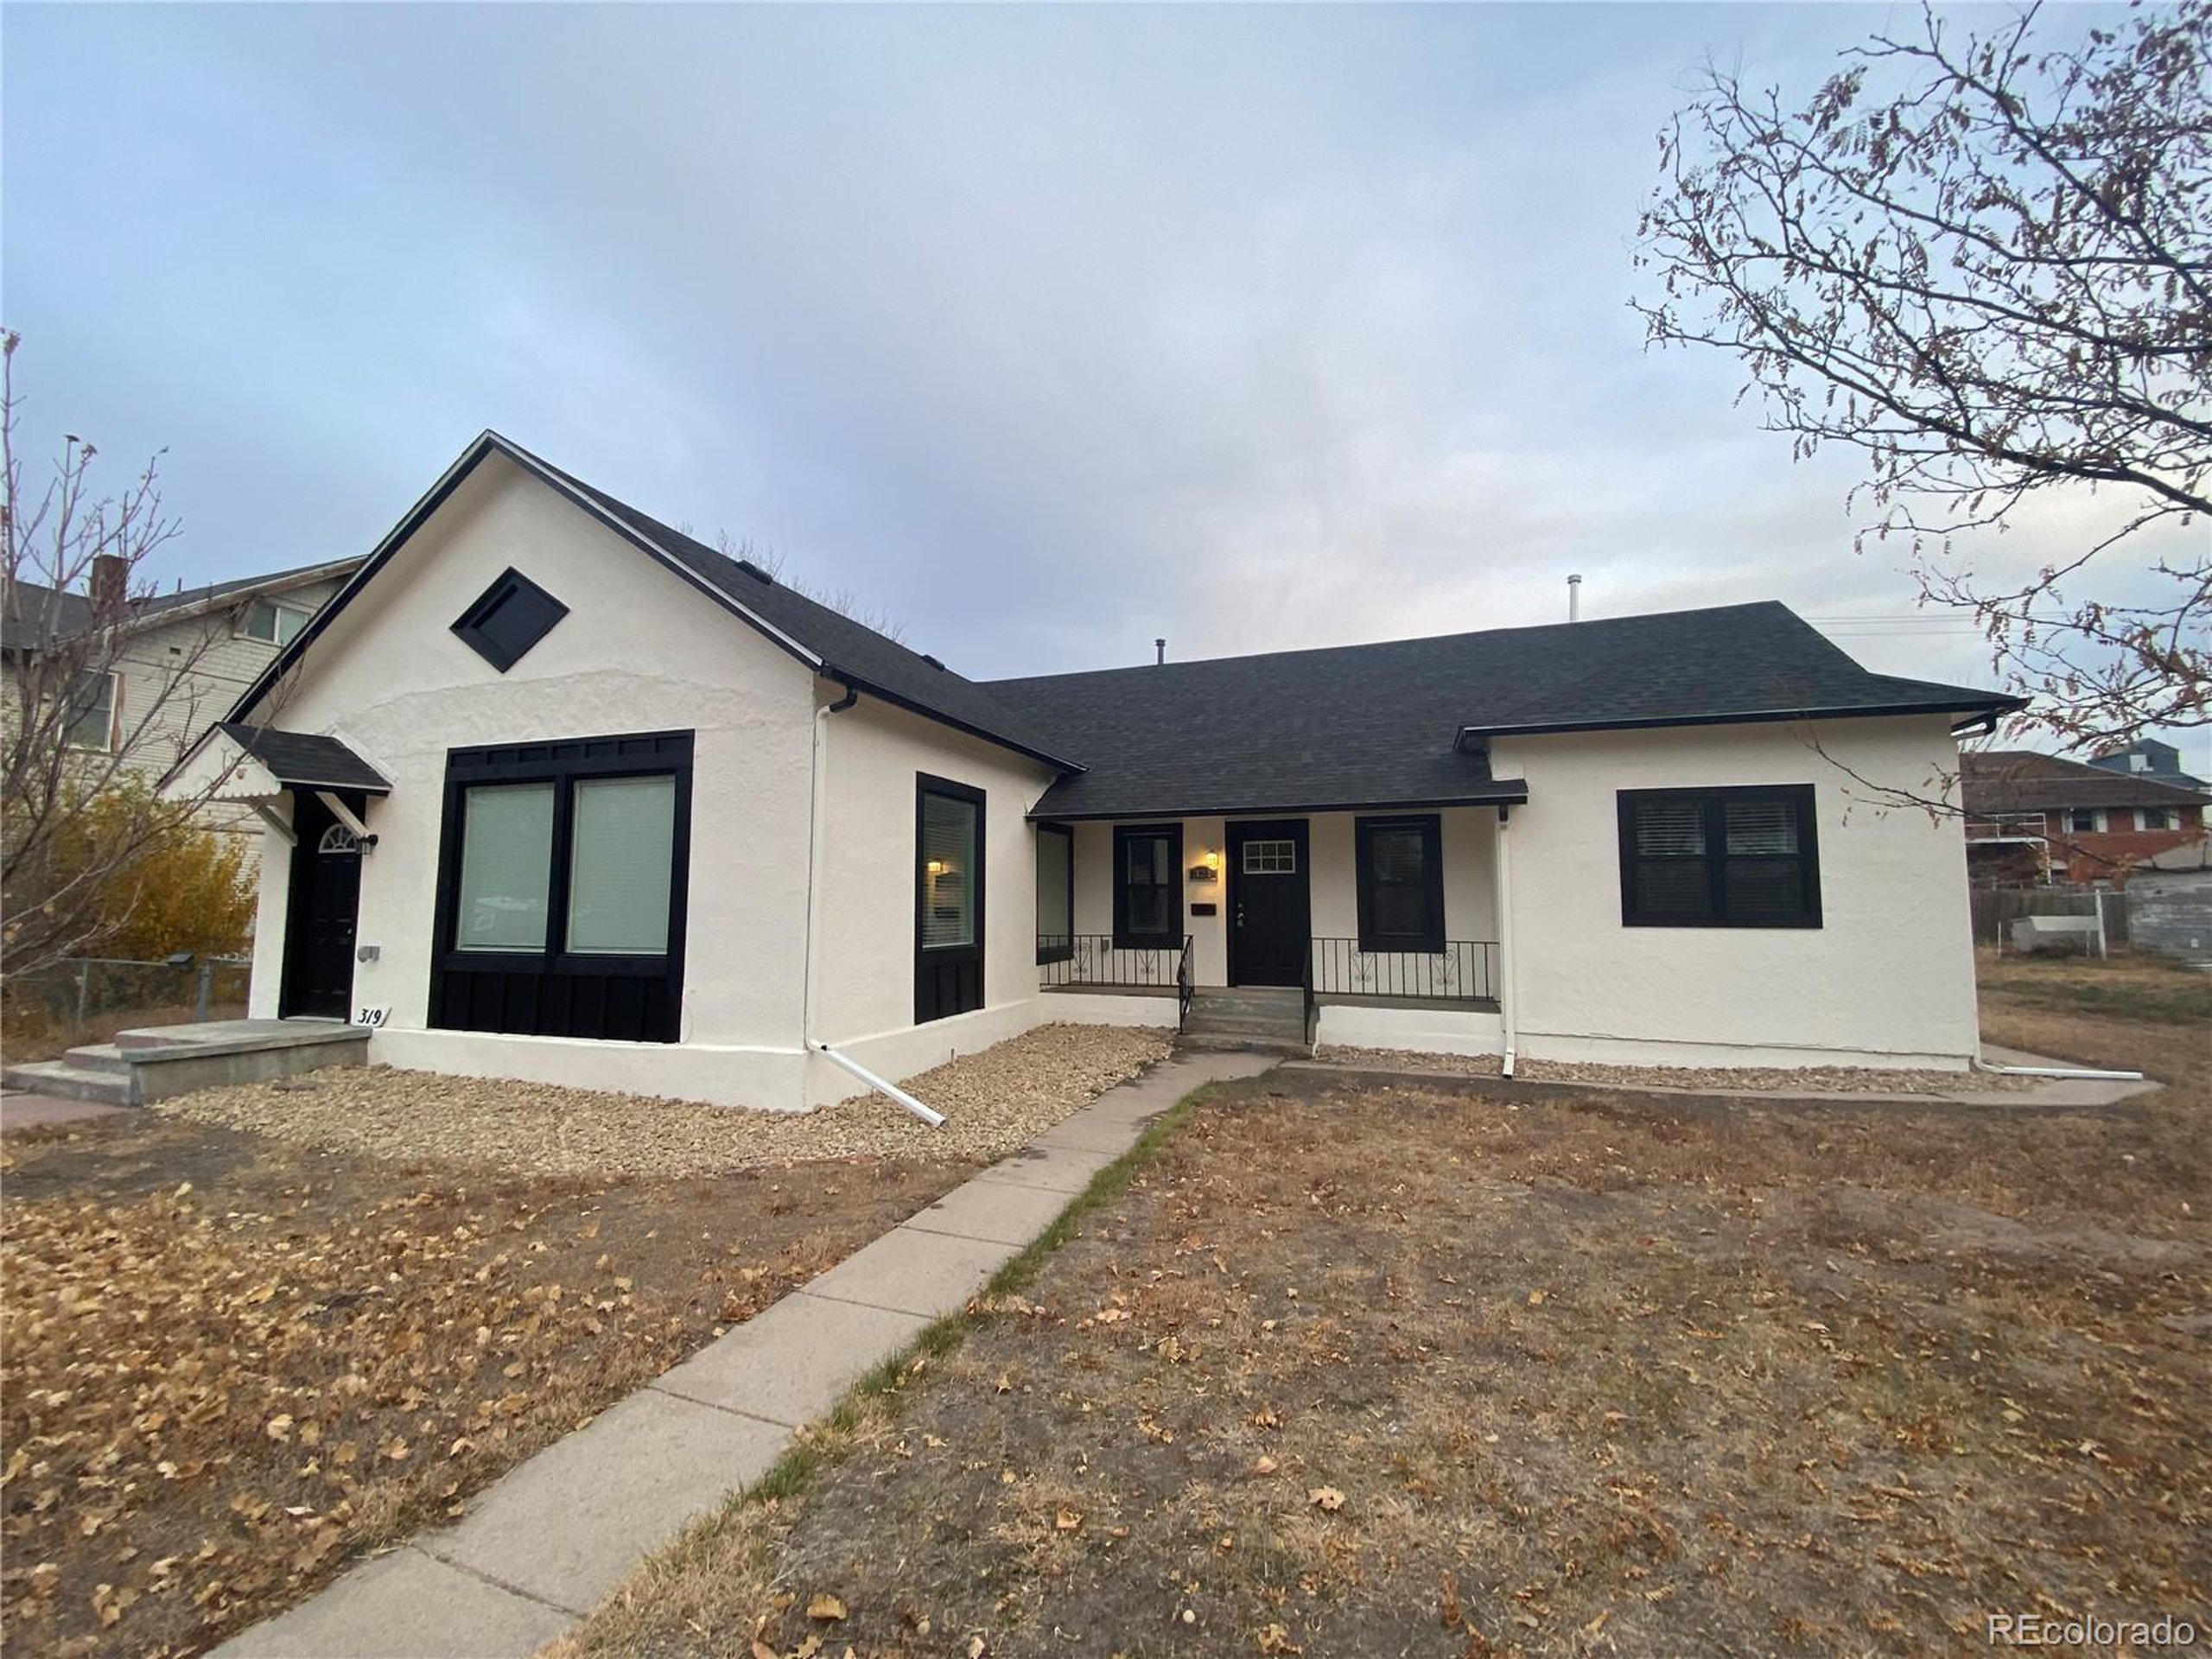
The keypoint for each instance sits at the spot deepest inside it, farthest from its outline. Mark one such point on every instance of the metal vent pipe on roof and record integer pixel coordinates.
(1159, 652)
(1574, 598)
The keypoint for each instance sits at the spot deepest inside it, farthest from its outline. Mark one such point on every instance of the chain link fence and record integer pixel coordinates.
(86, 996)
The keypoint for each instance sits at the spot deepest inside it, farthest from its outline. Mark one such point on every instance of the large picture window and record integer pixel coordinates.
(1720, 858)
(562, 889)
(1148, 886)
(1055, 892)
(1401, 885)
(948, 898)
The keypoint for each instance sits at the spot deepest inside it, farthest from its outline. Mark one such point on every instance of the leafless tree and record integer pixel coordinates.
(77, 812)
(1986, 262)
(842, 601)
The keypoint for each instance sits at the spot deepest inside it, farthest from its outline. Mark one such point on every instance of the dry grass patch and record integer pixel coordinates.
(1426, 1369)
(995, 1100)
(232, 1366)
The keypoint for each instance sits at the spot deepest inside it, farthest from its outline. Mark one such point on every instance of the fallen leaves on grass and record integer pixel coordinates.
(206, 1406)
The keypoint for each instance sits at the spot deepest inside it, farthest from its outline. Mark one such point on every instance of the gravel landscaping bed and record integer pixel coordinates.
(993, 1101)
(1812, 1079)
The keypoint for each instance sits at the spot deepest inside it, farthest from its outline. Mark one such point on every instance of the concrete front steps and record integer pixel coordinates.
(140, 1067)
(1246, 1018)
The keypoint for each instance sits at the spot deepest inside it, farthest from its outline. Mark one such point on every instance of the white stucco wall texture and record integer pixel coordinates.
(1886, 980)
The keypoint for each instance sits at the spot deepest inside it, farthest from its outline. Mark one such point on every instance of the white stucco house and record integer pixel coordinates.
(553, 791)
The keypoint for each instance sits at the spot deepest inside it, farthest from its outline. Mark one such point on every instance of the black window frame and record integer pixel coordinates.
(1714, 803)
(1126, 937)
(502, 652)
(1064, 834)
(553, 991)
(1430, 940)
(948, 978)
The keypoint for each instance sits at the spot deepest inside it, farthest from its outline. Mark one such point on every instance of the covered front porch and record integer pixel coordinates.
(1368, 916)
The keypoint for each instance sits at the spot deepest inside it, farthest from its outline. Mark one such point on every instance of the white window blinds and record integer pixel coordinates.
(620, 861)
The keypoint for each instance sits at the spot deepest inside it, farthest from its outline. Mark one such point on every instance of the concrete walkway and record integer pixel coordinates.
(546, 1542)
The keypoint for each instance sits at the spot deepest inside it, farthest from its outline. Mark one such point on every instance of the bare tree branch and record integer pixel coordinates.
(1986, 265)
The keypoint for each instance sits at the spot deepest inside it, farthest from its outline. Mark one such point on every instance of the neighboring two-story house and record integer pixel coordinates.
(185, 656)
(2042, 817)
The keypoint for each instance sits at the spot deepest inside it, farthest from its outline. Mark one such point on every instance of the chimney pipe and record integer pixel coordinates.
(1159, 652)
(103, 584)
(1574, 598)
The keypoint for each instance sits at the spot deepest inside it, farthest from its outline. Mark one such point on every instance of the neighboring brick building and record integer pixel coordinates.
(2033, 817)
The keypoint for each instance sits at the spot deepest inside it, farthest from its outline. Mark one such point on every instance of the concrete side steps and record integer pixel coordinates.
(70, 1081)
(1257, 1020)
(158, 1063)
(98, 1057)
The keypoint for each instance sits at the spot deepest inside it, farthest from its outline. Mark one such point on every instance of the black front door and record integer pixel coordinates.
(1270, 909)
(319, 921)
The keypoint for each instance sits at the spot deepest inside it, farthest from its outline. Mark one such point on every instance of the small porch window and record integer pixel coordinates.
(1147, 879)
(1055, 892)
(1401, 883)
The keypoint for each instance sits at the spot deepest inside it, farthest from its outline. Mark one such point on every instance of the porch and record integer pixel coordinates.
(1372, 921)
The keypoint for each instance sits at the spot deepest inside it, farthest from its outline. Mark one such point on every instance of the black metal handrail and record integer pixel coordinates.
(1186, 986)
(1095, 959)
(1305, 985)
(1463, 970)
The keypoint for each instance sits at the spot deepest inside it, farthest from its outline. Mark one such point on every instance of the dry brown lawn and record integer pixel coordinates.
(232, 1365)
(1465, 1369)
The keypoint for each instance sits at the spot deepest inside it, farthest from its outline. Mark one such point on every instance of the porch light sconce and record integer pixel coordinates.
(935, 866)
(1207, 869)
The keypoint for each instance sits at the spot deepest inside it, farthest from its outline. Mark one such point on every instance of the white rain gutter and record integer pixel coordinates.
(935, 1120)
(1505, 937)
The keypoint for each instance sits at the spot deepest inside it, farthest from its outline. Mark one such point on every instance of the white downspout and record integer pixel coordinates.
(814, 857)
(808, 998)
(1505, 1010)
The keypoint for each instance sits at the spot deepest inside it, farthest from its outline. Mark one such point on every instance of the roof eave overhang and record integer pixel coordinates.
(1476, 737)
(1508, 792)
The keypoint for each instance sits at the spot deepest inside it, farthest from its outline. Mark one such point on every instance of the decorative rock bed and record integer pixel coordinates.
(993, 1101)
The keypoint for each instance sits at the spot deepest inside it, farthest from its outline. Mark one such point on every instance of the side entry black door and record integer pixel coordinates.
(319, 924)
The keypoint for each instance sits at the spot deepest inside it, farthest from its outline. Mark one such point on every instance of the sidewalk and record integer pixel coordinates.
(548, 1539)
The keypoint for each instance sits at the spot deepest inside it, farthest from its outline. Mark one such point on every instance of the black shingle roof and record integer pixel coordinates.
(848, 648)
(1398, 723)
(1381, 724)
(305, 759)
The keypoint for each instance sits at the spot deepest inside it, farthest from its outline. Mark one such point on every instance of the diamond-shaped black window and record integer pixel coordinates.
(513, 614)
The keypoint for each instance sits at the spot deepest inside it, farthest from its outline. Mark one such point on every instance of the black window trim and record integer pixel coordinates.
(930, 962)
(563, 762)
(1124, 938)
(1430, 940)
(471, 629)
(1713, 800)
(1060, 952)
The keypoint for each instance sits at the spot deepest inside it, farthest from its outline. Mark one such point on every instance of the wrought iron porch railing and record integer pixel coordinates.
(1094, 959)
(1463, 970)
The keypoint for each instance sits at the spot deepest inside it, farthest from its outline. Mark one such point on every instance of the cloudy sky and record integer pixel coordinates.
(1044, 331)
